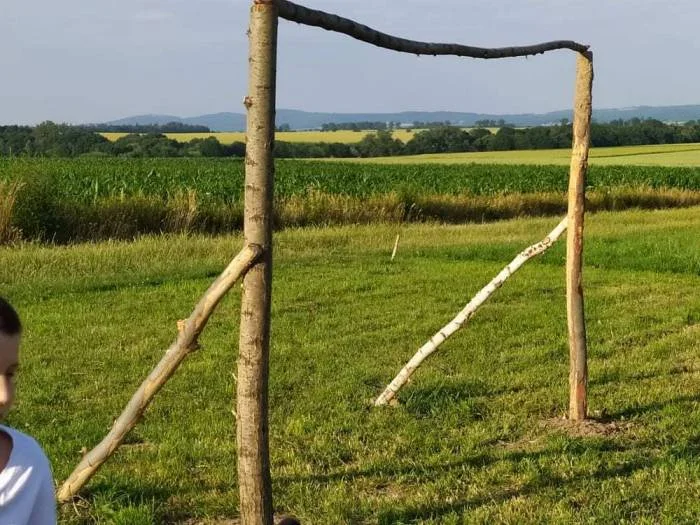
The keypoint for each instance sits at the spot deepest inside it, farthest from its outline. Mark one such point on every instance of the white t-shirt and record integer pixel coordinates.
(26, 484)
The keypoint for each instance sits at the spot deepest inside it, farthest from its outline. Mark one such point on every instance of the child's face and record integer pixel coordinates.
(9, 361)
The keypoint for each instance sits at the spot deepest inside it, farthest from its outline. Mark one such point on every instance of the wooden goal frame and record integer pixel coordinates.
(254, 262)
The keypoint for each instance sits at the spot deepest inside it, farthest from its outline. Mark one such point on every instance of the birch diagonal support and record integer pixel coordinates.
(480, 298)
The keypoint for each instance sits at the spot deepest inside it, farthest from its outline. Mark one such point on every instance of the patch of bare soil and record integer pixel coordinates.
(587, 427)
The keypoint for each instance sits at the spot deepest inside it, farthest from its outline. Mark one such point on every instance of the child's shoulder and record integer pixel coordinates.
(25, 448)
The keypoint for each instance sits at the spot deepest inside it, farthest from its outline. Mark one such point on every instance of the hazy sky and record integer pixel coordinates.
(90, 61)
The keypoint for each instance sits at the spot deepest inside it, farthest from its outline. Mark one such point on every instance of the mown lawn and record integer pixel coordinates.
(476, 437)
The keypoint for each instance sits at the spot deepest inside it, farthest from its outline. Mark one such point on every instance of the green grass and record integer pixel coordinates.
(648, 155)
(466, 443)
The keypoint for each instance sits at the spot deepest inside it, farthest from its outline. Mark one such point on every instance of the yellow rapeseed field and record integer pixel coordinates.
(649, 155)
(344, 136)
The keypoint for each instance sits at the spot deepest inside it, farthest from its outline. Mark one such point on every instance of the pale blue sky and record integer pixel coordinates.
(90, 61)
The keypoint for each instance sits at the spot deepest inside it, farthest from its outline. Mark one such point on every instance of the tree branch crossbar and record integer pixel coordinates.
(312, 17)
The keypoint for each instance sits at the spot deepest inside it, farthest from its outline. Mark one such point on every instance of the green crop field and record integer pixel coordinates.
(85, 179)
(66, 200)
(652, 155)
(477, 436)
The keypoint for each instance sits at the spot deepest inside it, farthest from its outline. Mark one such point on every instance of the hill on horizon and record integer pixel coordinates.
(298, 120)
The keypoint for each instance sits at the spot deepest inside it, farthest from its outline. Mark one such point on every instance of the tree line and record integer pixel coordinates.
(359, 126)
(61, 140)
(168, 127)
(371, 125)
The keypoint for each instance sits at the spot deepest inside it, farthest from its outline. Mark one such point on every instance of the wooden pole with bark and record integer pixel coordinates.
(252, 435)
(480, 298)
(186, 342)
(578, 372)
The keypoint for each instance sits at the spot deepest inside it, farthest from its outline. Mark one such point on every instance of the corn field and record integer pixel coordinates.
(64, 200)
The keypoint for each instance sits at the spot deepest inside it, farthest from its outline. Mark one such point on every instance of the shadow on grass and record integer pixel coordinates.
(391, 471)
(633, 457)
(640, 410)
(118, 502)
(618, 376)
(546, 481)
(122, 495)
(431, 400)
(136, 492)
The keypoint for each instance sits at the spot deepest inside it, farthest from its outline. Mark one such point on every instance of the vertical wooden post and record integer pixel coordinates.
(578, 372)
(255, 486)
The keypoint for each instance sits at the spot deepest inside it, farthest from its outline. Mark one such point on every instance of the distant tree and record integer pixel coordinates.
(504, 139)
(16, 140)
(477, 133)
(379, 144)
(235, 149)
(444, 139)
(149, 145)
(62, 140)
(208, 147)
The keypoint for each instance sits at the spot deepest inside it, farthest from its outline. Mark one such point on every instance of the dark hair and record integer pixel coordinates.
(9, 320)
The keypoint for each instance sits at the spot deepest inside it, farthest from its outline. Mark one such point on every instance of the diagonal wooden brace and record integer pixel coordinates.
(186, 342)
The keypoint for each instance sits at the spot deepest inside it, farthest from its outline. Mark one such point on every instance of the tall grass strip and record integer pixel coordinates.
(8, 198)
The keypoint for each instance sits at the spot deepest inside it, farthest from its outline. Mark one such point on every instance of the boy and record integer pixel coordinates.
(26, 484)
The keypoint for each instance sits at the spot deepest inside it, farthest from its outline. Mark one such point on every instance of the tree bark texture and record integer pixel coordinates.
(480, 298)
(330, 22)
(189, 331)
(255, 486)
(578, 372)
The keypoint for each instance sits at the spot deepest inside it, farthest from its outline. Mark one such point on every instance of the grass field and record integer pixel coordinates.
(344, 136)
(476, 437)
(650, 155)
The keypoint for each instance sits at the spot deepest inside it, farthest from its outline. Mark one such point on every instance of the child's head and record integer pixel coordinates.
(10, 330)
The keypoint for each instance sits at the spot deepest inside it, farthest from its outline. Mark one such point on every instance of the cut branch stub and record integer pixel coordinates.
(188, 333)
(480, 298)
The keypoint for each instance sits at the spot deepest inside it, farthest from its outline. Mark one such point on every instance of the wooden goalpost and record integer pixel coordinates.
(254, 262)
